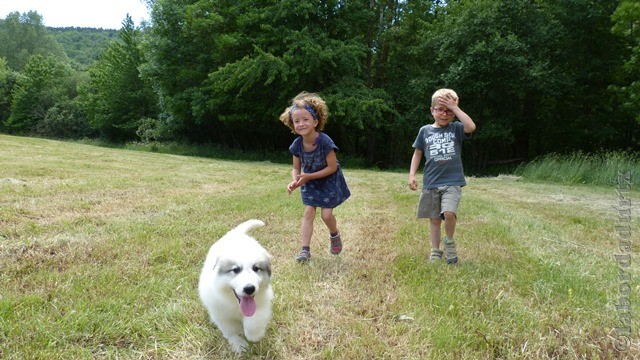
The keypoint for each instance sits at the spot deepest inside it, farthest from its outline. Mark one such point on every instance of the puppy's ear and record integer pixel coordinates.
(268, 269)
(268, 263)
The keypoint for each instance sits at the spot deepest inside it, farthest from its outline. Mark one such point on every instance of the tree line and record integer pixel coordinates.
(537, 76)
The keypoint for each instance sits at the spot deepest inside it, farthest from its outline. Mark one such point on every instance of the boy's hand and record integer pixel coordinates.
(413, 184)
(449, 101)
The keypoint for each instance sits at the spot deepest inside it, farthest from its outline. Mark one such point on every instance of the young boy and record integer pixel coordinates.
(441, 144)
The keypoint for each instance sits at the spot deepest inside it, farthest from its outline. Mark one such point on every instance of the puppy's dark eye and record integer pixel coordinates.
(236, 270)
(256, 268)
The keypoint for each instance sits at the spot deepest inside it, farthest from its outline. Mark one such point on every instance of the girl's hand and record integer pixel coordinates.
(292, 186)
(303, 179)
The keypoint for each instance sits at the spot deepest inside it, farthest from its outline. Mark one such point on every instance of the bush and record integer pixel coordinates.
(152, 130)
(63, 121)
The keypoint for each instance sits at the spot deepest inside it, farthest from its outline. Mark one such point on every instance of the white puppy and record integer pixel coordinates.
(234, 286)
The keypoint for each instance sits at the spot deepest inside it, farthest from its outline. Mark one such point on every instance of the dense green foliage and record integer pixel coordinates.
(45, 83)
(538, 77)
(7, 81)
(118, 98)
(83, 45)
(626, 19)
(23, 36)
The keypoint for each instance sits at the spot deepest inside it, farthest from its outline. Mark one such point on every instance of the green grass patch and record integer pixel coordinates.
(581, 168)
(101, 249)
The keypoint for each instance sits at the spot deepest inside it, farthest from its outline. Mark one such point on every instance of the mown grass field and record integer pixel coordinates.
(101, 249)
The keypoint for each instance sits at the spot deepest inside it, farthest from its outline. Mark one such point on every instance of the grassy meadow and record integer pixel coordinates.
(101, 249)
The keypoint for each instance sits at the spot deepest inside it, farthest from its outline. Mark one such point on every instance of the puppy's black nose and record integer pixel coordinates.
(249, 289)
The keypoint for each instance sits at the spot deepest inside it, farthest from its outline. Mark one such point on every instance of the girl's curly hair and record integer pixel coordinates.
(309, 99)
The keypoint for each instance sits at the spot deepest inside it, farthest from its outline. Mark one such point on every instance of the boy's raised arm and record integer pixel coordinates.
(452, 104)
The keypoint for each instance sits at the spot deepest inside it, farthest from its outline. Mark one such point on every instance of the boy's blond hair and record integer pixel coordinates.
(310, 99)
(442, 92)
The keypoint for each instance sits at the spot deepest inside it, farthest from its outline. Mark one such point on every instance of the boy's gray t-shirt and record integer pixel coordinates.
(442, 149)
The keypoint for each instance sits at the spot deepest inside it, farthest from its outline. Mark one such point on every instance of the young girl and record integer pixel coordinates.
(316, 170)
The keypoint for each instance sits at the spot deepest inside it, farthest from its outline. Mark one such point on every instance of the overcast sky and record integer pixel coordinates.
(106, 14)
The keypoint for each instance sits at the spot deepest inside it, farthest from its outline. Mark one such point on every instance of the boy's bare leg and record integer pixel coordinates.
(435, 233)
(450, 252)
(449, 223)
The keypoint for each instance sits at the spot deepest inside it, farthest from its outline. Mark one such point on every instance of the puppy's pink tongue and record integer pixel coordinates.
(247, 306)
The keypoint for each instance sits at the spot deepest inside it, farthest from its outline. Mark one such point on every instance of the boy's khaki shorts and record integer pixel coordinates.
(434, 202)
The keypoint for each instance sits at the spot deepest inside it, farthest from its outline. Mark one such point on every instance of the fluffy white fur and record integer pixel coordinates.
(234, 286)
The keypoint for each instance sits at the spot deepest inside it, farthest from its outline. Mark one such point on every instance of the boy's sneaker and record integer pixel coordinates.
(436, 254)
(336, 244)
(303, 256)
(450, 253)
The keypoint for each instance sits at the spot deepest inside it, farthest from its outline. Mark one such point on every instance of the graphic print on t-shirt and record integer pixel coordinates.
(441, 146)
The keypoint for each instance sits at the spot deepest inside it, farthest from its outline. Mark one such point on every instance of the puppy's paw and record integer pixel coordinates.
(238, 344)
(255, 334)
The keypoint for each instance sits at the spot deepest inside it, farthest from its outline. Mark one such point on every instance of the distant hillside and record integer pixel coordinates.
(83, 44)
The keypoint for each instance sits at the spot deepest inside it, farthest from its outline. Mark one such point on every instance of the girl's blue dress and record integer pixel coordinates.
(327, 192)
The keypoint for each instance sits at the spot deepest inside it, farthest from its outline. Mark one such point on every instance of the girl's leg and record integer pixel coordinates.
(329, 220)
(335, 246)
(435, 233)
(307, 231)
(307, 225)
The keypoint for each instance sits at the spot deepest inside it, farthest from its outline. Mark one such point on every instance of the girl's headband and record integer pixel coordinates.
(306, 107)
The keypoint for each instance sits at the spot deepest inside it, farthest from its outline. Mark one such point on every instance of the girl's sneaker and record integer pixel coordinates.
(336, 244)
(303, 256)
(436, 254)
